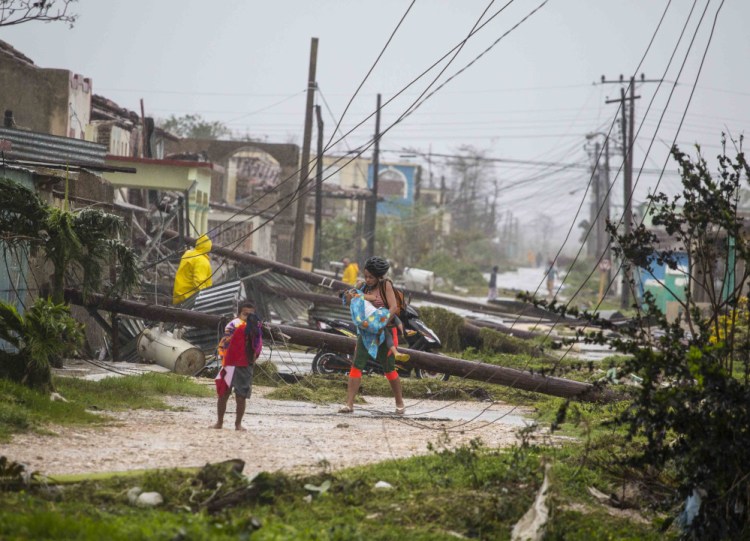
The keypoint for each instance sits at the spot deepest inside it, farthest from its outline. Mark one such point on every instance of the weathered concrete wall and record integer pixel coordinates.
(79, 101)
(288, 157)
(53, 101)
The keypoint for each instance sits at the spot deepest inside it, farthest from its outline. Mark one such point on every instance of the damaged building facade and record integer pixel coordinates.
(173, 190)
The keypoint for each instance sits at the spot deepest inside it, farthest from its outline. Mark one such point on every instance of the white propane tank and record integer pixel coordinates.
(418, 279)
(161, 347)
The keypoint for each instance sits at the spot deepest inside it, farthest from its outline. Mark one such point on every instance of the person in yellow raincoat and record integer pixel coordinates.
(351, 272)
(194, 272)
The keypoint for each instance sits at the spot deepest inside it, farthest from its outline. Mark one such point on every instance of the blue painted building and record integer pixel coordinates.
(396, 186)
(663, 283)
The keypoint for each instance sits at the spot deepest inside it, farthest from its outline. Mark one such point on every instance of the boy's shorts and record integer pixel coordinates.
(242, 381)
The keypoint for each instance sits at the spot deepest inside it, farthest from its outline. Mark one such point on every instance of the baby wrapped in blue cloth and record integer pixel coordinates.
(371, 324)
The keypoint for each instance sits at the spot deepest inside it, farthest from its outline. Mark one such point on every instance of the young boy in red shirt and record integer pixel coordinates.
(238, 349)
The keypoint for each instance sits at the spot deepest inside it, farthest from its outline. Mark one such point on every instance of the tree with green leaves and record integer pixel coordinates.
(81, 244)
(690, 415)
(84, 250)
(45, 332)
(194, 127)
(338, 239)
(13, 12)
(471, 187)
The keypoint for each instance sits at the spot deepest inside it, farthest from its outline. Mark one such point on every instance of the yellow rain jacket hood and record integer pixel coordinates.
(194, 272)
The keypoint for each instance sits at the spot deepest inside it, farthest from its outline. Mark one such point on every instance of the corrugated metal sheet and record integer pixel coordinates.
(260, 284)
(219, 300)
(27, 145)
(128, 330)
(331, 312)
(222, 299)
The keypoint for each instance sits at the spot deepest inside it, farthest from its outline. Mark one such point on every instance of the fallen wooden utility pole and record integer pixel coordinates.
(487, 373)
(499, 327)
(330, 300)
(497, 308)
(470, 331)
(305, 337)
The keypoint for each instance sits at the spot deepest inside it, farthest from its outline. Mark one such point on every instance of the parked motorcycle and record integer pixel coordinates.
(418, 336)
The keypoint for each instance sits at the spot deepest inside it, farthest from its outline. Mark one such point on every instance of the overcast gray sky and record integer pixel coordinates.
(532, 97)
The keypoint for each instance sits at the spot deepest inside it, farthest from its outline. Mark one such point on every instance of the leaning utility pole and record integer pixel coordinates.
(299, 224)
(371, 211)
(318, 190)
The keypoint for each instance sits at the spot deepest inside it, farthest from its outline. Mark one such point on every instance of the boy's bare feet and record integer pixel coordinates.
(240, 428)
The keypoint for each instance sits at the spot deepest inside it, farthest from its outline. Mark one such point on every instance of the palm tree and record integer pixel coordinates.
(44, 332)
(80, 245)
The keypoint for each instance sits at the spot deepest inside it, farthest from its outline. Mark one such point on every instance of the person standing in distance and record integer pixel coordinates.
(384, 296)
(492, 293)
(551, 275)
(351, 272)
(194, 272)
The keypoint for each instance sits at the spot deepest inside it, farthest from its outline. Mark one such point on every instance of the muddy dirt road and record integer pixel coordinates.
(282, 435)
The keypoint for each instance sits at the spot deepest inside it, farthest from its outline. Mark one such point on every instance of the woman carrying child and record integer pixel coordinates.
(380, 291)
(372, 324)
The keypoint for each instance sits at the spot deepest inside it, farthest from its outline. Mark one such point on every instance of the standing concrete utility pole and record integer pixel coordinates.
(143, 152)
(600, 209)
(371, 212)
(628, 138)
(318, 190)
(605, 218)
(299, 225)
(596, 212)
(627, 152)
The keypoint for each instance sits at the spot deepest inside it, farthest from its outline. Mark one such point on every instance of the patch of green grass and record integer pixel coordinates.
(145, 391)
(586, 524)
(306, 394)
(332, 389)
(73, 478)
(26, 517)
(23, 409)
(266, 374)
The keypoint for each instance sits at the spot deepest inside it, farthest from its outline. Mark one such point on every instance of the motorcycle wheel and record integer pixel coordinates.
(421, 373)
(326, 363)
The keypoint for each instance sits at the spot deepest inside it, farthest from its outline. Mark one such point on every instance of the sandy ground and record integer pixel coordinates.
(289, 436)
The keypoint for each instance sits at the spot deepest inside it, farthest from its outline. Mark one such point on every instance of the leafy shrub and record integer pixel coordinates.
(45, 331)
(460, 272)
(692, 410)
